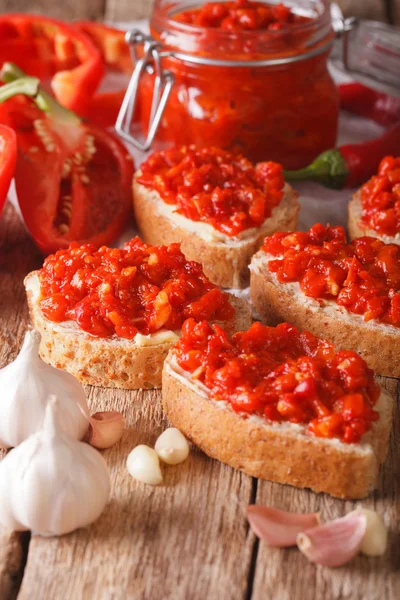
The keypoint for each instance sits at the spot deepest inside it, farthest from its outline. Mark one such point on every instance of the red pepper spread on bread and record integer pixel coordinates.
(380, 198)
(284, 375)
(362, 276)
(215, 186)
(241, 15)
(136, 289)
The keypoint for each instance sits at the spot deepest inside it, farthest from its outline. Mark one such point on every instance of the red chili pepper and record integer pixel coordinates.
(358, 99)
(73, 179)
(352, 164)
(54, 52)
(8, 159)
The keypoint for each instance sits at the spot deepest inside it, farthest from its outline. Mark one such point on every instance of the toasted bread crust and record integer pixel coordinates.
(99, 361)
(379, 347)
(284, 456)
(224, 265)
(357, 229)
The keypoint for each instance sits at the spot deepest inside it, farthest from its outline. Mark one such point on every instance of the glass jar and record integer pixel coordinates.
(266, 94)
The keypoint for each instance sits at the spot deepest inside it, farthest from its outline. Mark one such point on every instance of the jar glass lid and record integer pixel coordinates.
(369, 52)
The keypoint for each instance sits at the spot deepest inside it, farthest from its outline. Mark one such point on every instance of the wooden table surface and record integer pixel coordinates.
(187, 539)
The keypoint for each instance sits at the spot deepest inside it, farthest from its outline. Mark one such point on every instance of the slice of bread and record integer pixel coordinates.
(357, 228)
(225, 261)
(109, 362)
(275, 302)
(281, 452)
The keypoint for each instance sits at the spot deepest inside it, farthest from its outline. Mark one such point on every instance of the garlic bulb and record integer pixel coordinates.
(106, 429)
(51, 483)
(374, 542)
(172, 447)
(26, 385)
(143, 465)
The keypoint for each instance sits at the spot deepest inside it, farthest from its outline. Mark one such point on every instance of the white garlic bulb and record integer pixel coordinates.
(374, 542)
(143, 465)
(172, 447)
(26, 385)
(51, 483)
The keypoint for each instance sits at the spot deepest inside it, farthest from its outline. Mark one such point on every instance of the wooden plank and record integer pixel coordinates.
(17, 257)
(366, 9)
(395, 11)
(126, 10)
(73, 9)
(287, 574)
(185, 539)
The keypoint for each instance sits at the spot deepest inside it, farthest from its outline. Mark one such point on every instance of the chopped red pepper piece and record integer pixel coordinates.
(136, 289)
(283, 374)
(215, 186)
(56, 53)
(380, 198)
(8, 159)
(362, 276)
(73, 179)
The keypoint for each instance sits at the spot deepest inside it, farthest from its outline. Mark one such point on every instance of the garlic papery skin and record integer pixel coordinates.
(105, 430)
(375, 539)
(172, 447)
(143, 465)
(26, 385)
(51, 483)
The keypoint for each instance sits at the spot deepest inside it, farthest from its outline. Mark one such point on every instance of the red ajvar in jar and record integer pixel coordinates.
(267, 94)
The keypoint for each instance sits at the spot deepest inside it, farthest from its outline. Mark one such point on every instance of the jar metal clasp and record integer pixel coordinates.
(150, 62)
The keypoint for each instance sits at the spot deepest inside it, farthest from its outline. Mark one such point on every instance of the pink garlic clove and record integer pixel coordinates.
(335, 543)
(278, 527)
(105, 429)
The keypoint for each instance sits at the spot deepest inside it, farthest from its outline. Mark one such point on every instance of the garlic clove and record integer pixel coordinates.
(26, 384)
(143, 465)
(172, 447)
(335, 543)
(105, 430)
(279, 528)
(51, 483)
(375, 540)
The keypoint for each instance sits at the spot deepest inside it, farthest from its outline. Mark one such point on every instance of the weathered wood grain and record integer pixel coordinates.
(366, 9)
(17, 257)
(69, 10)
(287, 574)
(128, 10)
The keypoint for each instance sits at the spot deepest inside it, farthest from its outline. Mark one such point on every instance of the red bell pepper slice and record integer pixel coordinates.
(8, 159)
(56, 53)
(104, 107)
(110, 42)
(73, 179)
